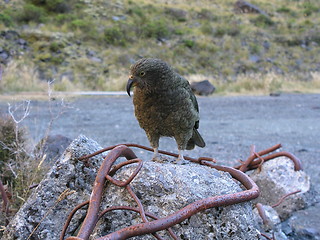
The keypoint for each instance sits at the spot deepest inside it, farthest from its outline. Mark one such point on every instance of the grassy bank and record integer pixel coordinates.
(89, 45)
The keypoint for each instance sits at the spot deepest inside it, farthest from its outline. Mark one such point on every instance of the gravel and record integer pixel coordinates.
(229, 125)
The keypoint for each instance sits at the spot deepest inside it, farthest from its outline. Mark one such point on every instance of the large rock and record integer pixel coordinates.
(165, 188)
(162, 188)
(242, 6)
(52, 147)
(202, 88)
(277, 179)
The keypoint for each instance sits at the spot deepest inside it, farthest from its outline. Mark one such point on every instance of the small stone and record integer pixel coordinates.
(179, 14)
(303, 150)
(118, 18)
(21, 41)
(10, 35)
(96, 59)
(275, 94)
(91, 53)
(266, 45)
(4, 55)
(254, 58)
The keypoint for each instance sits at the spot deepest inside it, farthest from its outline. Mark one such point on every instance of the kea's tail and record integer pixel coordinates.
(196, 139)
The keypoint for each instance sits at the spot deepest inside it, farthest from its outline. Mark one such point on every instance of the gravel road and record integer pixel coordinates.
(229, 125)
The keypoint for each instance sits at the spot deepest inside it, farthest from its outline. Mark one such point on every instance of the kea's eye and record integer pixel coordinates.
(142, 74)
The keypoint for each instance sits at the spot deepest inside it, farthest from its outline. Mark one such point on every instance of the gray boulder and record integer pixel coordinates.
(277, 179)
(202, 88)
(163, 188)
(52, 147)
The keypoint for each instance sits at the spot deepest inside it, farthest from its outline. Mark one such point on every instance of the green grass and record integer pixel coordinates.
(197, 37)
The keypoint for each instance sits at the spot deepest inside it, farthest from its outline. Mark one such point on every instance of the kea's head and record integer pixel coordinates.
(148, 74)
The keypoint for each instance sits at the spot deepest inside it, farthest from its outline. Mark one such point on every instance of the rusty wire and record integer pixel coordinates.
(119, 150)
(64, 229)
(172, 234)
(264, 235)
(257, 158)
(105, 173)
(95, 199)
(191, 209)
(198, 160)
(262, 213)
(284, 197)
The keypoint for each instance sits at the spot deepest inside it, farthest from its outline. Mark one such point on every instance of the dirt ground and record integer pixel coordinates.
(229, 125)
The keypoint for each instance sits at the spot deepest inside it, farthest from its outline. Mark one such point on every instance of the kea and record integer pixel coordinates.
(164, 105)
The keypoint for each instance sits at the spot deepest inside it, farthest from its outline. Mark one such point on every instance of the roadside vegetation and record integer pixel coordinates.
(89, 45)
(23, 162)
(21, 169)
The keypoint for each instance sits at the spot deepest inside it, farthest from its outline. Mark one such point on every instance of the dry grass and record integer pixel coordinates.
(19, 168)
(22, 161)
(263, 84)
(18, 77)
(21, 76)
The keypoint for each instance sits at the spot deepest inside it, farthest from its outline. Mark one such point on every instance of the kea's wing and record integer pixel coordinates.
(193, 99)
(196, 138)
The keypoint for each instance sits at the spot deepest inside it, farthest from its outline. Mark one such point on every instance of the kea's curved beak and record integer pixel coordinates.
(130, 84)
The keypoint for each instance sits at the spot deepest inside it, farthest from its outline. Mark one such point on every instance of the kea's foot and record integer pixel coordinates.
(160, 159)
(157, 157)
(180, 160)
